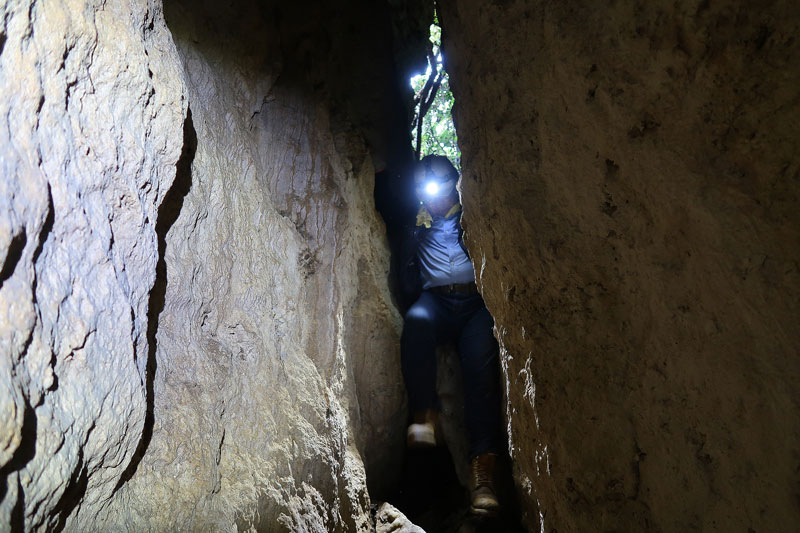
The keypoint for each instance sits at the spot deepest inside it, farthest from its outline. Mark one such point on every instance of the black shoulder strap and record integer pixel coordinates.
(461, 238)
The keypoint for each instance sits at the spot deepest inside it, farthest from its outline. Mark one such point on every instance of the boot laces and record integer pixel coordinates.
(481, 473)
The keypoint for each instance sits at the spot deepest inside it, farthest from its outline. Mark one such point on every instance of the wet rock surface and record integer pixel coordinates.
(631, 206)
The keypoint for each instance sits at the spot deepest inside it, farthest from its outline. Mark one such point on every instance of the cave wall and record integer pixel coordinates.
(276, 359)
(197, 328)
(92, 110)
(631, 205)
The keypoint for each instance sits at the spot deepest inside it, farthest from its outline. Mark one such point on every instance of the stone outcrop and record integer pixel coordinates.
(196, 327)
(277, 368)
(631, 204)
(92, 109)
(257, 384)
(388, 519)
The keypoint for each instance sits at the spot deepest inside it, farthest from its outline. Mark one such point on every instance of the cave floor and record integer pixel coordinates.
(432, 497)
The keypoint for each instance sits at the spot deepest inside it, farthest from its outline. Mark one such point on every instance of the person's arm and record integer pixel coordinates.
(408, 269)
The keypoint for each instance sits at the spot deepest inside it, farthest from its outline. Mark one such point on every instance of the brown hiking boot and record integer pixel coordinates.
(482, 496)
(424, 431)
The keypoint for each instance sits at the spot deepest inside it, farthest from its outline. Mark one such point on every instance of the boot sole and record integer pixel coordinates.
(479, 511)
(420, 437)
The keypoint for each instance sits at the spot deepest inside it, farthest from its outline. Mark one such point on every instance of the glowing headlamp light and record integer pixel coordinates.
(435, 188)
(431, 188)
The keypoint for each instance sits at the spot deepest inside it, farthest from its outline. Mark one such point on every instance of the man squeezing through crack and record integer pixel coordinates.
(449, 308)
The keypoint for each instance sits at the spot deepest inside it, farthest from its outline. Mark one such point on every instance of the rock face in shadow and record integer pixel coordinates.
(220, 353)
(631, 204)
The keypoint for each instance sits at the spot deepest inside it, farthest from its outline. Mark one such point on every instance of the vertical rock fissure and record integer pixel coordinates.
(168, 213)
(73, 494)
(433, 491)
(13, 255)
(22, 455)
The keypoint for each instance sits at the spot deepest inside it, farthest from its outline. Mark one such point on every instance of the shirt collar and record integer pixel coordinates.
(453, 210)
(424, 217)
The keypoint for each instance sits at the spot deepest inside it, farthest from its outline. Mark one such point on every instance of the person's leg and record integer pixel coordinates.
(418, 352)
(480, 367)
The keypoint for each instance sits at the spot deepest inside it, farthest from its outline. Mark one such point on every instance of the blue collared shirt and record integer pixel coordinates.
(442, 261)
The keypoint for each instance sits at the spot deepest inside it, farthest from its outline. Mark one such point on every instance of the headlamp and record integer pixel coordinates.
(431, 188)
(434, 188)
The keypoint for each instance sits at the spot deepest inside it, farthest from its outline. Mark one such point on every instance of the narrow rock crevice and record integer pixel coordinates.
(73, 495)
(168, 213)
(24, 453)
(17, 522)
(13, 255)
(630, 200)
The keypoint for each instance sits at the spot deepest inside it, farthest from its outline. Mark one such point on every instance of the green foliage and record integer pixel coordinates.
(438, 132)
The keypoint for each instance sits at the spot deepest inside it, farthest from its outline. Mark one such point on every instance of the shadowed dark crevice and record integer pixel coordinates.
(13, 256)
(47, 227)
(27, 447)
(23, 454)
(17, 246)
(430, 489)
(432, 497)
(73, 494)
(18, 512)
(168, 213)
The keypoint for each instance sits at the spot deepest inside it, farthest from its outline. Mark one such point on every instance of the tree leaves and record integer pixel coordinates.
(432, 128)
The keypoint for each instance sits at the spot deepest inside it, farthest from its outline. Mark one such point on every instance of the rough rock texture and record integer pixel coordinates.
(258, 382)
(196, 328)
(277, 371)
(92, 107)
(388, 519)
(631, 204)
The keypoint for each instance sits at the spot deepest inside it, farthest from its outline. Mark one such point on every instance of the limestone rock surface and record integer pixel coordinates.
(196, 326)
(92, 107)
(277, 373)
(630, 192)
(388, 519)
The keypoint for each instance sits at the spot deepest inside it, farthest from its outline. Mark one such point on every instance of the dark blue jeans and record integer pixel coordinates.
(438, 318)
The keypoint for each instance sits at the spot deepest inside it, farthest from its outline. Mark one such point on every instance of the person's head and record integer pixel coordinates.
(435, 180)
